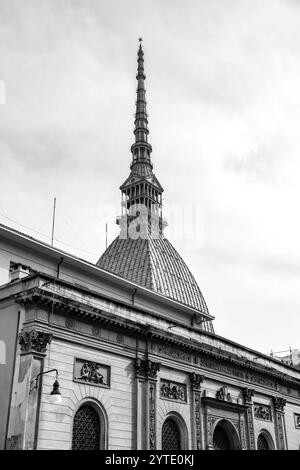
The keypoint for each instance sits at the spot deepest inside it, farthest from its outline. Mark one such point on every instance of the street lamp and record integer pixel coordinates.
(55, 395)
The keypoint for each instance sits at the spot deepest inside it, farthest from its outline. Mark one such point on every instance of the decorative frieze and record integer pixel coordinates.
(239, 371)
(34, 341)
(279, 403)
(146, 368)
(223, 394)
(262, 412)
(91, 372)
(173, 391)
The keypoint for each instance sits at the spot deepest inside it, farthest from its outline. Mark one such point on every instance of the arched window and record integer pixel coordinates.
(262, 443)
(170, 438)
(88, 430)
(225, 436)
(220, 439)
(265, 440)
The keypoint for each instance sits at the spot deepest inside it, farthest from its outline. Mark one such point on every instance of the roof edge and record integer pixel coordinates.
(16, 236)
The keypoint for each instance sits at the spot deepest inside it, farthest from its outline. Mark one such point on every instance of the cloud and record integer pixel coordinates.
(281, 266)
(223, 99)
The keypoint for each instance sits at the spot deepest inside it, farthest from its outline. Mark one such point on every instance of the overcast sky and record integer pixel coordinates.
(223, 92)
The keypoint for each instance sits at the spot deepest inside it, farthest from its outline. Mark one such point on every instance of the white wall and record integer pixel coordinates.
(55, 427)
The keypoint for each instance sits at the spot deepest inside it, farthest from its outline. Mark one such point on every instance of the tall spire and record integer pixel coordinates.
(141, 253)
(141, 192)
(141, 149)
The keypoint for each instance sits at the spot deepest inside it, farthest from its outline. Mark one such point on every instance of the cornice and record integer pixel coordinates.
(81, 310)
(224, 404)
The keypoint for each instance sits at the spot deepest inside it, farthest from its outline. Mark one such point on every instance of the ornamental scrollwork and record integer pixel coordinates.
(140, 367)
(248, 393)
(196, 380)
(250, 428)
(152, 416)
(172, 391)
(152, 368)
(210, 420)
(198, 420)
(34, 341)
(147, 368)
(262, 412)
(279, 403)
(243, 437)
(223, 394)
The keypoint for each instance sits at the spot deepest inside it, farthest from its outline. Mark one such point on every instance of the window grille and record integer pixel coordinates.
(262, 443)
(86, 429)
(170, 436)
(220, 439)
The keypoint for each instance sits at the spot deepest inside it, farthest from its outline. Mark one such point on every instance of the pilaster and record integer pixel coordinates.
(248, 393)
(279, 404)
(23, 422)
(196, 417)
(146, 376)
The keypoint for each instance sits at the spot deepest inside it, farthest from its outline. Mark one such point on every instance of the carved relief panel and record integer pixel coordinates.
(173, 391)
(92, 373)
(262, 412)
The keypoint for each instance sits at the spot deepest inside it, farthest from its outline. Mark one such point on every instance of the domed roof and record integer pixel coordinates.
(155, 264)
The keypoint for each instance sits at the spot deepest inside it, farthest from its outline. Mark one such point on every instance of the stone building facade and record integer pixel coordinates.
(128, 344)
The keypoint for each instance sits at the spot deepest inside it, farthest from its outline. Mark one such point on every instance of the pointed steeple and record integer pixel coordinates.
(141, 149)
(141, 253)
(142, 188)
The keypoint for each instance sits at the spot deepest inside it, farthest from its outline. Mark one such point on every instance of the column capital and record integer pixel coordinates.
(146, 368)
(196, 380)
(34, 341)
(279, 403)
(248, 393)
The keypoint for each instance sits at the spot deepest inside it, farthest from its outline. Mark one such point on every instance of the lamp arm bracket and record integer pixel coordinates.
(35, 381)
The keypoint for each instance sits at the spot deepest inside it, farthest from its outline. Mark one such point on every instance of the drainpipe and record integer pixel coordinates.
(133, 296)
(58, 267)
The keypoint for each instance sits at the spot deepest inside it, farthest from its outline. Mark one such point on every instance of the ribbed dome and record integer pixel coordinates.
(155, 264)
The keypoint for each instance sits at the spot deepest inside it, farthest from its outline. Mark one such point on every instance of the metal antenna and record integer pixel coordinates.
(53, 221)
(106, 235)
